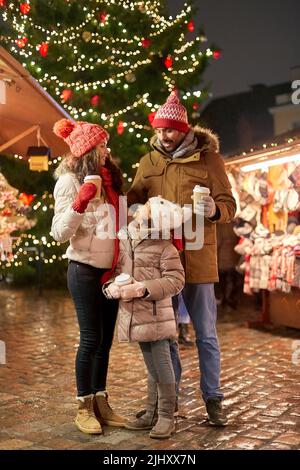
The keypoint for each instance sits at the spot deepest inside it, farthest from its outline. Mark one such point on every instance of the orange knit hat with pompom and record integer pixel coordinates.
(80, 136)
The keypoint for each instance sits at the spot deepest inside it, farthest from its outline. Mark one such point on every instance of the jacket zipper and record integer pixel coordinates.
(154, 307)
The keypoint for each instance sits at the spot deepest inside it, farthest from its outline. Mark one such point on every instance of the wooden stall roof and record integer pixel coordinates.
(27, 109)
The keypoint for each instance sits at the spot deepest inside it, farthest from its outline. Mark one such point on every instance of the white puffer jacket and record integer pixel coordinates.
(87, 232)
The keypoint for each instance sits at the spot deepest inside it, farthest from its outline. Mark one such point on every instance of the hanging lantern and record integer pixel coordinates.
(168, 61)
(146, 43)
(43, 49)
(25, 8)
(191, 26)
(38, 158)
(95, 100)
(217, 54)
(151, 117)
(120, 127)
(66, 95)
(21, 42)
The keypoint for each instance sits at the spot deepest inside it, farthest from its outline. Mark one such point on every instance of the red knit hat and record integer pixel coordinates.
(80, 136)
(172, 115)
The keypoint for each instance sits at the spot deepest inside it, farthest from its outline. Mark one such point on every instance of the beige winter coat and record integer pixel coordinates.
(175, 179)
(86, 232)
(157, 264)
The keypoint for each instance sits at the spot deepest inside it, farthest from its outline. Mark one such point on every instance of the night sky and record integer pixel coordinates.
(260, 40)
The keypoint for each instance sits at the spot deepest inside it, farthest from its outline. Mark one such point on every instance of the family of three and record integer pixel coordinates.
(179, 158)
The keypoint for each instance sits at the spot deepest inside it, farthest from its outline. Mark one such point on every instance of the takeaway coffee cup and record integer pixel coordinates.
(123, 279)
(97, 181)
(198, 193)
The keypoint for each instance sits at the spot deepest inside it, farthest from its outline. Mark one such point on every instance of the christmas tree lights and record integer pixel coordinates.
(129, 54)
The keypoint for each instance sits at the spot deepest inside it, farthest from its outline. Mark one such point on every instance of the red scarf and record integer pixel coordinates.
(113, 199)
(177, 242)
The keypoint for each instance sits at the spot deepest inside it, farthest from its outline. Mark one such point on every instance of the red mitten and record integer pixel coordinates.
(86, 192)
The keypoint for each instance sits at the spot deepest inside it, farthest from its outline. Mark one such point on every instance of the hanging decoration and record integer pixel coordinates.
(2, 3)
(66, 95)
(21, 42)
(6, 213)
(168, 61)
(38, 157)
(25, 8)
(146, 42)
(130, 77)
(120, 127)
(217, 54)
(26, 199)
(191, 26)
(103, 17)
(86, 36)
(95, 100)
(43, 49)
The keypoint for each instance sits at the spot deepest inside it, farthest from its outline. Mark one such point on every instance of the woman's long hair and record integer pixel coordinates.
(89, 164)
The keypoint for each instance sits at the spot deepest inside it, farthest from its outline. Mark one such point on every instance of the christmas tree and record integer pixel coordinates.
(111, 62)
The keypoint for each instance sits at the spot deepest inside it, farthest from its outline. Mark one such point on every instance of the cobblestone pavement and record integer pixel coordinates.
(37, 385)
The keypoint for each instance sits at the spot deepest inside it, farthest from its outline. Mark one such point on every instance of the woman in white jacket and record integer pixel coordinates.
(84, 221)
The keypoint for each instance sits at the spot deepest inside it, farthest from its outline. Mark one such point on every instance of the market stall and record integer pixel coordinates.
(27, 116)
(268, 224)
(27, 111)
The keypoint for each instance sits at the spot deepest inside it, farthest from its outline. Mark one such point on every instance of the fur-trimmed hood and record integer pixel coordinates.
(207, 138)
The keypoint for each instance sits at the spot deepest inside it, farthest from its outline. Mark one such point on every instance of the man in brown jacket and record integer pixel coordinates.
(179, 159)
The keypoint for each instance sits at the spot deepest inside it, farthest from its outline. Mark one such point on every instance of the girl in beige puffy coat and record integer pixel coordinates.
(146, 314)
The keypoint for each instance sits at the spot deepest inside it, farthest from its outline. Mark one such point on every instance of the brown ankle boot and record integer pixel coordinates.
(166, 406)
(86, 420)
(149, 418)
(105, 413)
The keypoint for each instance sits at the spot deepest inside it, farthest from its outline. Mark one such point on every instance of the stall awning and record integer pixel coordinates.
(25, 110)
(271, 155)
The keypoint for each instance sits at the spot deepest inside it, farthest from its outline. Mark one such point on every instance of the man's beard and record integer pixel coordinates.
(176, 145)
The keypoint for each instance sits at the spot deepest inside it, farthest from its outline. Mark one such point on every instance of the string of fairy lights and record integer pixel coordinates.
(74, 32)
(26, 245)
(118, 57)
(148, 7)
